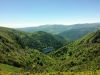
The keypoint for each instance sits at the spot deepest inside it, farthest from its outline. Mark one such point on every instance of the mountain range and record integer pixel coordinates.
(22, 51)
(56, 29)
(69, 32)
(75, 34)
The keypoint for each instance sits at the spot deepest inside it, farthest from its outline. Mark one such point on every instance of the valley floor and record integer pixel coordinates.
(53, 73)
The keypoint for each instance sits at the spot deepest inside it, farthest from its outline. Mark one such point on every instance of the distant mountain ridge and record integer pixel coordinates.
(75, 34)
(56, 29)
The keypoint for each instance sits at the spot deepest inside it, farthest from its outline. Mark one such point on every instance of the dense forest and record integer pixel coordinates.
(80, 55)
(20, 52)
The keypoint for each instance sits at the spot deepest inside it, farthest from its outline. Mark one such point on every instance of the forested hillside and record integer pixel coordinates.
(68, 32)
(13, 52)
(40, 40)
(80, 55)
(37, 40)
(18, 49)
(75, 34)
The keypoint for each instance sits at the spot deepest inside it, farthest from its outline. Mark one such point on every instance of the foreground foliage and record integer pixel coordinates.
(54, 73)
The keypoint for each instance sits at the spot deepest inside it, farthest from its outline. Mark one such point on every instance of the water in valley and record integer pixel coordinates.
(47, 50)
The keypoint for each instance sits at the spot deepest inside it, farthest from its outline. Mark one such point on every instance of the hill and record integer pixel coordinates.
(37, 40)
(56, 29)
(18, 49)
(75, 34)
(80, 55)
(40, 40)
(15, 52)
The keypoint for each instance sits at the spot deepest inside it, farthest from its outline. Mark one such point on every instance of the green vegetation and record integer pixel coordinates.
(9, 68)
(37, 40)
(40, 40)
(20, 54)
(70, 32)
(74, 34)
(14, 52)
(80, 55)
(53, 73)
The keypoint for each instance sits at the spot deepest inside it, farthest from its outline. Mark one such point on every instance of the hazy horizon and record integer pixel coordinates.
(32, 13)
(48, 24)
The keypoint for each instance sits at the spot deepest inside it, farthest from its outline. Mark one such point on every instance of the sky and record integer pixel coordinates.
(31, 13)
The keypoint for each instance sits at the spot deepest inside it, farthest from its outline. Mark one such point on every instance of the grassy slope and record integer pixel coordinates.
(9, 68)
(97, 72)
(81, 55)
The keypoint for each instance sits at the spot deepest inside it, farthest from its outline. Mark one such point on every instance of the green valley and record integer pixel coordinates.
(20, 53)
(49, 37)
(15, 51)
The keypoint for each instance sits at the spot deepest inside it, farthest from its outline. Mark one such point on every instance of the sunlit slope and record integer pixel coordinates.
(97, 72)
(13, 52)
(80, 55)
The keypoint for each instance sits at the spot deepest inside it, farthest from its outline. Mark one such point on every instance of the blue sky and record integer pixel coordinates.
(27, 13)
